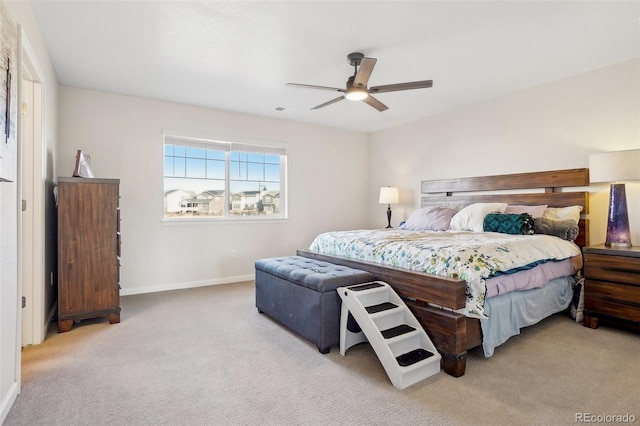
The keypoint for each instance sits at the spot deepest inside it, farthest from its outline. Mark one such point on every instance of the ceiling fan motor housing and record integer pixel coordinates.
(355, 58)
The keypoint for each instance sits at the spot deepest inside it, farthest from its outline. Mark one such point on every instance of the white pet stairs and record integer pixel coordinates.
(403, 347)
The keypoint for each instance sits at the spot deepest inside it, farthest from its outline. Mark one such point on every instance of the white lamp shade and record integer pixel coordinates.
(615, 166)
(389, 195)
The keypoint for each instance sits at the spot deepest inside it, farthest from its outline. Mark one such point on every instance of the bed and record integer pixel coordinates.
(440, 302)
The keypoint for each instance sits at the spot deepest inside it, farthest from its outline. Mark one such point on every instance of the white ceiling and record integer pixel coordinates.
(238, 55)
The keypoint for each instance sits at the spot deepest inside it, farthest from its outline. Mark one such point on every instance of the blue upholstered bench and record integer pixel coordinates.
(300, 293)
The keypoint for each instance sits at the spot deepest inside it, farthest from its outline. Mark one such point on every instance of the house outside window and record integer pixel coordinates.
(223, 180)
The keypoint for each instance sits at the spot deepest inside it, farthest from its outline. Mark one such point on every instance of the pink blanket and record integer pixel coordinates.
(531, 278)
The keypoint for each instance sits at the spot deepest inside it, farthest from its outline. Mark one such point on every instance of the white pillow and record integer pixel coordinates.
(471, 217)
(429, 219)
(534, 211)
(563, 213)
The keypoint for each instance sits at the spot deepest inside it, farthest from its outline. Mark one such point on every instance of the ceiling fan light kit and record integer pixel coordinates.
(356, 87)
(356, 93)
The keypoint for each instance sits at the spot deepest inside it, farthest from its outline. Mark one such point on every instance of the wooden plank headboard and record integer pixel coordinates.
(550, 188)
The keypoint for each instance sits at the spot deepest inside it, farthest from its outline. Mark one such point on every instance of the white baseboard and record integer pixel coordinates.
(7, 401)
(185, 285)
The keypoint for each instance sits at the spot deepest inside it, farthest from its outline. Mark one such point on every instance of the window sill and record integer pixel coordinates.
(215, 221)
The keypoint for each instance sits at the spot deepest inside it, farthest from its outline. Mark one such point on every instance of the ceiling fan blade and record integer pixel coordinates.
(424, 84)
(370, 100)
(310, 86)
(364, 72)
(332, 101)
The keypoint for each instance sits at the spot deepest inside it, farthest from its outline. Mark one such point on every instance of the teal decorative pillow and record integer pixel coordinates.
(516, 224)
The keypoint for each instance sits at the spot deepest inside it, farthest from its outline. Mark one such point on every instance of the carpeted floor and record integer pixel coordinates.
(205, 356)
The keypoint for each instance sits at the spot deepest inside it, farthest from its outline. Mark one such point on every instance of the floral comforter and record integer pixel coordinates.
(470, 256)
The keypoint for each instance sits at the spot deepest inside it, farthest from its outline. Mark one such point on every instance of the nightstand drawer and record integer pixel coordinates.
(616, 300)
(619, 269)
(615, 310)
(613, 292)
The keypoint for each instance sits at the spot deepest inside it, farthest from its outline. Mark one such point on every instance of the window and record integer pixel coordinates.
(215, 179)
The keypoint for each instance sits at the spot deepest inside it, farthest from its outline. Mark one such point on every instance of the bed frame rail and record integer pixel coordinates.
(443, 291)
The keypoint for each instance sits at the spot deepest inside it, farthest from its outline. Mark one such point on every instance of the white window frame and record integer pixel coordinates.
(175, 138)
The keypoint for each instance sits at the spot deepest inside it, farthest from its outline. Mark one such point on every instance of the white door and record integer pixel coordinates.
(32, 187)
(27, 213)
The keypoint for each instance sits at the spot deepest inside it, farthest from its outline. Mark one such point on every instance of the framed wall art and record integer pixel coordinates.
(8, 96)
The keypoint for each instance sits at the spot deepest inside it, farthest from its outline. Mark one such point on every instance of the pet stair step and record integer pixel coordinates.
(397, 331)
(413, 357)
(381, 307)
(366, 286)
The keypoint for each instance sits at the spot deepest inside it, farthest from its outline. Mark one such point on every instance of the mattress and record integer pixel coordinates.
(471, 256)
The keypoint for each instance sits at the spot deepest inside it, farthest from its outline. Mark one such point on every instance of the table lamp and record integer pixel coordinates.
(388, 196)
(615, 167)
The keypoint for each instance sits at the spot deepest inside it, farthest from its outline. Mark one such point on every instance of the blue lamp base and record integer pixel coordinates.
(618, 233)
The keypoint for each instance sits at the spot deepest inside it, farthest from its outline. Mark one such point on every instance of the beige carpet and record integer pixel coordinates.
(206, 357)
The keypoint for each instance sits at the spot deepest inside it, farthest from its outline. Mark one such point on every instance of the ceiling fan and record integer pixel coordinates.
(356, 88)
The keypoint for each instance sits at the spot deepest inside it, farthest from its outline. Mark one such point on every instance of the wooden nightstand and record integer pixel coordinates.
(612, 285)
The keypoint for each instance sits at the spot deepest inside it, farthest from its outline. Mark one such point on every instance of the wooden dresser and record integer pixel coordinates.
(612, 285)
(88, 250)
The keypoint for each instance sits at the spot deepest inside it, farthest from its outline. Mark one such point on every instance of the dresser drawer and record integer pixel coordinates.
(618, 269)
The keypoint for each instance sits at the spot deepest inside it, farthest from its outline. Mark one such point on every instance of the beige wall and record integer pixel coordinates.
(327, 186)
(555, 126)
